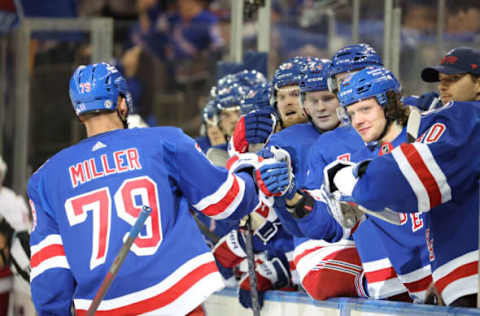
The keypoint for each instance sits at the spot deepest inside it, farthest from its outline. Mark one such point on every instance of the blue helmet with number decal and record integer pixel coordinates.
(96, 88)
(368, 82)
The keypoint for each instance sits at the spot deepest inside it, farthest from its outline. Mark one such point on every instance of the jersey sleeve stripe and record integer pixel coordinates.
(225, 200)
(437, 173)
(48, 254)
(423, 174)
(58, 262)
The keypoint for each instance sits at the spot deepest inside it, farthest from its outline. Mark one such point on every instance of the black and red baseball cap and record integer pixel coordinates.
(459, 60)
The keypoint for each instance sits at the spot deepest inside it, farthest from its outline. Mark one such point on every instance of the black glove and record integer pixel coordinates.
(303, 207)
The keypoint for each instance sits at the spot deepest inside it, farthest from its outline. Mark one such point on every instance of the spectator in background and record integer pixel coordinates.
(463, 20)
(114, 8)
(183, 38)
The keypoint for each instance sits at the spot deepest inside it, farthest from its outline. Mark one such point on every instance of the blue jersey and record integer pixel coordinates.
(405, 244)
(372, 235)
(297, 140)
(204, 143)
(339, 143)
(85, 199)
(438, 173)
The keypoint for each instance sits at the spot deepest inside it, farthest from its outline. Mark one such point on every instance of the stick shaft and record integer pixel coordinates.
(251, 269)
(117, 263)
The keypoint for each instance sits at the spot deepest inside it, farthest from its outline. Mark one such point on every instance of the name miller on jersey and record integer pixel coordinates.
(87, 170)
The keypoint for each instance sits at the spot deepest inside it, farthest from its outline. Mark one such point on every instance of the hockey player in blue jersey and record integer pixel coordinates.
(380, 119)
(386, 250)
(113, 173)
(255, 128)
(317, 262)
(437, 174)
(211, 134)
(340, 143)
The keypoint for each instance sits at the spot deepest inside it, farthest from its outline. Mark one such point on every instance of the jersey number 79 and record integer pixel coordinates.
(99, 202)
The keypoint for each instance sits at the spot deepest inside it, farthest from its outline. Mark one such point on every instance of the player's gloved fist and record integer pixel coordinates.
(255, 127)
(271, 274)
(339, 176)
(302, 207)
(273, 177)
(230, 249)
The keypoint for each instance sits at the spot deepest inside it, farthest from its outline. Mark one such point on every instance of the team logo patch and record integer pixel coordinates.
(34, 215)
(449, 60)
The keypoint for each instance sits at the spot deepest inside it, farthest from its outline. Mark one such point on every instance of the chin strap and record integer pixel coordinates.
(374, 144)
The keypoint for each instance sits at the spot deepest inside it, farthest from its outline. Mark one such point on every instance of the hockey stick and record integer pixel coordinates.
(117, 263)
(204, 229)
(386, 215)
(251, 268)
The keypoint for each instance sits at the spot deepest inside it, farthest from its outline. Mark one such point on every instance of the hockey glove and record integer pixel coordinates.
(271, 274)
(255, 127)
(302, 207)
(230, 249)
(276, 179)
(343, 176)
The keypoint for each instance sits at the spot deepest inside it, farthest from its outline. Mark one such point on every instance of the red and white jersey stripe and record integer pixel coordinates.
(457, 277)
(182, 291)
(223, 202)
(48, 254)
(424, 175)
(311, 252)
(382, 279)
(417, 282)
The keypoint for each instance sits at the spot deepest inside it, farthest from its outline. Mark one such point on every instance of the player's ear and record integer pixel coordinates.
(122, 106)
(476, 80)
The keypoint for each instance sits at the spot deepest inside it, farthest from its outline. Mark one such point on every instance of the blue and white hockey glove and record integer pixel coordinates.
(275, 177)
(271, 274)
(343, 176)
(255, 127)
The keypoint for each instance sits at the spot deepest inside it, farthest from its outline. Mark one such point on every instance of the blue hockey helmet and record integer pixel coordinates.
(222, 83)
(96, 87)
(290, 72)
(352, 57)
(257, 98)
(210, 112)
(250, 78)
(368, 82)
(230, 96)
(315, 76)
